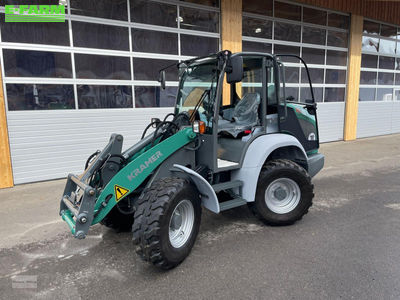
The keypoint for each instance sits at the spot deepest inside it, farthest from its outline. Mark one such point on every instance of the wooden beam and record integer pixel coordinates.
(231, 34)
(231, 25)
(353, 78)
(6, 176)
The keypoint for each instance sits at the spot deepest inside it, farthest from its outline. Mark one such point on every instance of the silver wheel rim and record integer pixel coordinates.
(282, 195)
(181, 223)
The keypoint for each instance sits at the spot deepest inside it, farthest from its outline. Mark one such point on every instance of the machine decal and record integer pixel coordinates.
(120, 192)
(145, 165)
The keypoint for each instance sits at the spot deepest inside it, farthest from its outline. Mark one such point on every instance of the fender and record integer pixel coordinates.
(255, 157)
(209, 198)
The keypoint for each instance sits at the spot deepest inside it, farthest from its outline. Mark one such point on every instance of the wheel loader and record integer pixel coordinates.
(236, 137)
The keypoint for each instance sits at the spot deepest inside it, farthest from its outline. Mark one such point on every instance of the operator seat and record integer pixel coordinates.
(243, 116)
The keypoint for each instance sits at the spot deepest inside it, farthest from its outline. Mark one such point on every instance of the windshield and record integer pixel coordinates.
(197, 90)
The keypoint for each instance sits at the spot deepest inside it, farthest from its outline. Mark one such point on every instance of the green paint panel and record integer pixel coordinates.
(133, 174)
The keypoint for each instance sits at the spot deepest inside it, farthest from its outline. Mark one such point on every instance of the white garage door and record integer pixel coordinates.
(50, 144)
(379, 107)
(68, 86)
(320, 37)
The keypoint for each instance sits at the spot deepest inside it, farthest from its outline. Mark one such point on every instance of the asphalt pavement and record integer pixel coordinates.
(346, 247)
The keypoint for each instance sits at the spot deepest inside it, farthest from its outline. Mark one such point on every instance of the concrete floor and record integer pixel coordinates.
(345, 247)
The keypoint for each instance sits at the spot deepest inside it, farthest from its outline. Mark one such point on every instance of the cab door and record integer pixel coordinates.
(298, 118)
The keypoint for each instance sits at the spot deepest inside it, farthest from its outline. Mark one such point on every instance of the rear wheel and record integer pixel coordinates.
(167, 222)
(284, 193)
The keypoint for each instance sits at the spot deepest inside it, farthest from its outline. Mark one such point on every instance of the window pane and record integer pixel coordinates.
(104, 96)
(154, 41)
(335, 76)
(152, 96)
(334, 94)
(367, 77)
(314, 16)
(336, 58)
(109, 9)
(35, 33)
(305, 94)
(314, 35)
(197, 19)
(283, 49)
(371, 27)
(287, 11)
(337, 39)
(386, 62)
(313, 56)
(385, 78)
(214, 3)
(155, 13)
(397, 64)
(316, 75)
(258, 7)
(387, 46)
(148, 69)
(339, 21)
(91, 35)
(369, 61)
(257, 28)
(198, 45)
(384, 94)
(102, 67)
(26, 63)
(370, 44)
(367, 94)
(397, 81)
(292, 74)
(388, 31)
(287, 32)
(256, 47)
(40, 96)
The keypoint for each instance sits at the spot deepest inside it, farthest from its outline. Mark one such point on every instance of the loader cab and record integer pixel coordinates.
(261, 102)
(239, 97)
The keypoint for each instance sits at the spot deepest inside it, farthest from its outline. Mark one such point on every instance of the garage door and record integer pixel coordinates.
(320, 37)
(68, 86)
(379, 106)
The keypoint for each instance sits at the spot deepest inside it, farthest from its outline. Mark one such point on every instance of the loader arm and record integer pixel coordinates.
(120, 186)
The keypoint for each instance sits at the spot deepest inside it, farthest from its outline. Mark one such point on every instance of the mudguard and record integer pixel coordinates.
(209, 198)
(255, 157)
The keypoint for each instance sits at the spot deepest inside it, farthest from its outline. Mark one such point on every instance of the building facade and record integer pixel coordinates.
(67, 86)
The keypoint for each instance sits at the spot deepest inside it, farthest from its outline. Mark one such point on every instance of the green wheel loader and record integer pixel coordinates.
(236, 137)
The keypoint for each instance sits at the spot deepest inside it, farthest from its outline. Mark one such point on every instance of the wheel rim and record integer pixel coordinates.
(181, 223)
(282, 195)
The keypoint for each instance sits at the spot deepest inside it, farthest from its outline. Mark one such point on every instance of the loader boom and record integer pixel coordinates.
(120, 186)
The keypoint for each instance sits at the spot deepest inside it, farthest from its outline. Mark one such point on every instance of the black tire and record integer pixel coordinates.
(152, 220)
(276, 169)
(120, 222)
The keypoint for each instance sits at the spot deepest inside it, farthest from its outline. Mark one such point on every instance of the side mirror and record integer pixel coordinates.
(161, 79)
(235, 69)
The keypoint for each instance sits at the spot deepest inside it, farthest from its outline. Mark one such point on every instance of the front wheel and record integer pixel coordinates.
(284, 193)
(167, 222)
